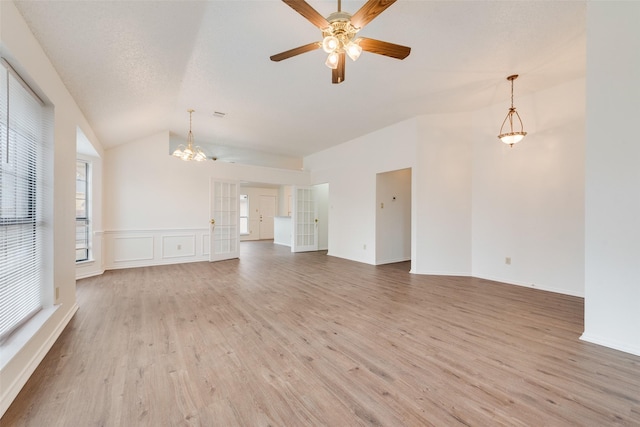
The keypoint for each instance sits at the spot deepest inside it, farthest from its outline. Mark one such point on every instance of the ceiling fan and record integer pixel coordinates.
(339, 35)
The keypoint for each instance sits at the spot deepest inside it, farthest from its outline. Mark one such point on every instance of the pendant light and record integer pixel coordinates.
(509, 135)
(190, 152)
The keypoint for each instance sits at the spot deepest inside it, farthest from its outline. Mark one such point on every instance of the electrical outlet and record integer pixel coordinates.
(507, 260)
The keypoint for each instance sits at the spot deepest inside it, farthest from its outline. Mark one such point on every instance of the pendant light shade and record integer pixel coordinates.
(509, 134)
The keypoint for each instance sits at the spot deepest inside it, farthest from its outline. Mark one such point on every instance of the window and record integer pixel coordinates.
(244, 214)
(23, 189)
(82, 211)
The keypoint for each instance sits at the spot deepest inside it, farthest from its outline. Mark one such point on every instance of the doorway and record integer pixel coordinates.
(321, 195)
(393, 216)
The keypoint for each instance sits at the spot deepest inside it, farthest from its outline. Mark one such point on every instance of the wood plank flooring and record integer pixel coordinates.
(281, 339)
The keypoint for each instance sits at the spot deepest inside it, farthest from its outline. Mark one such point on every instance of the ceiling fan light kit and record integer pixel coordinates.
(511, 136)
(190, 152)
(339, 35)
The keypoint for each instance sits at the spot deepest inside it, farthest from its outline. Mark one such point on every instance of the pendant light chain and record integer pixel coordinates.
(511, 136)
(512, 93)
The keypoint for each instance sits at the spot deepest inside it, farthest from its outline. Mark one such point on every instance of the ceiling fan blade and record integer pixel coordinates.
(369, 11)
(304, 9)
(337, 74)
(384, 48)
(296, 51)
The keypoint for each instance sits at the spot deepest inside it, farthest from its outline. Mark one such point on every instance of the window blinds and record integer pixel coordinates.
(22, 147)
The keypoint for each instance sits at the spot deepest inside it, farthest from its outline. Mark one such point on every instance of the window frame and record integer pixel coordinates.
(84, 221)
(25, 206)
(245, 217)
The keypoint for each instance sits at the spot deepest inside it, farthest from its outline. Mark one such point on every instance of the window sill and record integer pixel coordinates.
(85, 262)
(24, 334)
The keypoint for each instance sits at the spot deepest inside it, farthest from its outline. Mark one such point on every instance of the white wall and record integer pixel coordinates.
(393, 216)
(350, 170)
(20, 47)
(284, 200)
(475, 200)
(441, 187)
(528, 200)
(156, 206)
(437, 149)
(612, 247)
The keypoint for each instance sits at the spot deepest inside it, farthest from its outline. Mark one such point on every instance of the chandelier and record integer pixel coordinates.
(511, 136)
(190, 152)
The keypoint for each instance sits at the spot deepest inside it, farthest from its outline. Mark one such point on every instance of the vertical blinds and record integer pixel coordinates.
(22, 147)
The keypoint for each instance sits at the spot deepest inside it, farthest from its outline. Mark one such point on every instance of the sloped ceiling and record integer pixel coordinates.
(135, 67)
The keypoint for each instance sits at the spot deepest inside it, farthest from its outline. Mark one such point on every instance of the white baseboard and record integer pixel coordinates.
(393, 260)
(442, 273)
(90, 274)
(536, 286)
(610, 344)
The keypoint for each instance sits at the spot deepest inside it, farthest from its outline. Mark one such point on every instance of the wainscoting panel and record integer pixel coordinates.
(179, 246)
(141, 248)
(205, 244)
(133, 248)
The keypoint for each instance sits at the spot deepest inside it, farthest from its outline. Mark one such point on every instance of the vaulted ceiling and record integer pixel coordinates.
(135, 67)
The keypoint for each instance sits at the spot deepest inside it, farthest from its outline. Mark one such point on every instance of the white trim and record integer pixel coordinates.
(442, 273)
(90, 274)
(12, 390)
(146, 239)
(205, 248)
(533, 286)
(152, 247)
(594, 339)
(392, 260)
(152, 230)
(165, 246)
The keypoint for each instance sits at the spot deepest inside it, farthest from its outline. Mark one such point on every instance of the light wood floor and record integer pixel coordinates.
(277, 339)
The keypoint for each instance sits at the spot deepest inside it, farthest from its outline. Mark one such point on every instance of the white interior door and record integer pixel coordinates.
(224, 236)
(267, 212)
(304, 220)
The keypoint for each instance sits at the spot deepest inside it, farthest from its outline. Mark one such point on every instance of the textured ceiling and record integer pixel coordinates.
(135, 67)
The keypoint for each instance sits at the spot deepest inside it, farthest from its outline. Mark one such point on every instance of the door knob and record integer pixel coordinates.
(213, 221)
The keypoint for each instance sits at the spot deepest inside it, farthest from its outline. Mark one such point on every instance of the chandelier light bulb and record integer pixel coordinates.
(178, 151)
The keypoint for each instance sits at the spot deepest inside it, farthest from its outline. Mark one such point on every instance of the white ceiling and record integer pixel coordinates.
(135, 67)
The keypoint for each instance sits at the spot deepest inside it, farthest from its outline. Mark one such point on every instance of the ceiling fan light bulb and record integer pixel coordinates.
(330, 44)
(332, 60)
(354, 50)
